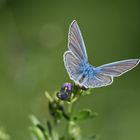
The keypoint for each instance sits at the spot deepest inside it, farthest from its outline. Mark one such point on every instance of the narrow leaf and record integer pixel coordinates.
(84, 114)
(48, 97)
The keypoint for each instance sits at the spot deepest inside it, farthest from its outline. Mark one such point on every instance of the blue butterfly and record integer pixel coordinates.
(84, 74)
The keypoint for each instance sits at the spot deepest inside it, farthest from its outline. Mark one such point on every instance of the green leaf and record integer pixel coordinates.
(48, 97)
(44, 131)
(37, 133)
(40, 133)
(34, 120)
(84, 114)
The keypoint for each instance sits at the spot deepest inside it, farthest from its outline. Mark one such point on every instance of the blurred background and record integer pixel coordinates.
(33, 38)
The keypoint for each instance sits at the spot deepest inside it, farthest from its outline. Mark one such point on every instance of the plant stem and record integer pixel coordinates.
(70, 108)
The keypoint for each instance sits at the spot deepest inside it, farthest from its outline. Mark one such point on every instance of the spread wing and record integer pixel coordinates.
(105, 73)
(76, 55)
(75, 42)
(96, 81)
(118, 68)
(72, 64)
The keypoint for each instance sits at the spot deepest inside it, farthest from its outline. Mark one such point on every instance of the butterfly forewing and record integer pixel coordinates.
(75, 43)
(118, 68)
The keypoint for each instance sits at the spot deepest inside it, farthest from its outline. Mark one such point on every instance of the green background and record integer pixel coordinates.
(33, 38)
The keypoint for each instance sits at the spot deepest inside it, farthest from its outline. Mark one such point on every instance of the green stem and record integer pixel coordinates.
(70, 111)
(70, 108)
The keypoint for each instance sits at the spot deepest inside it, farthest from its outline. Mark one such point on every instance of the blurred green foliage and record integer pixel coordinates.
(62, 109)
(3, 134)
(33, 38)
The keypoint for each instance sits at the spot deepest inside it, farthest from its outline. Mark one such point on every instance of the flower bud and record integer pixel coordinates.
(67, 87)
(65, 92)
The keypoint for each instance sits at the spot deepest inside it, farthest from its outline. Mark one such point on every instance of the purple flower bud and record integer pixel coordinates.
(67, 87)
(63, 96)
(65, 92)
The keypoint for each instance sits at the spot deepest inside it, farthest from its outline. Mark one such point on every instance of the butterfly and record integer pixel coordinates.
(83, 73)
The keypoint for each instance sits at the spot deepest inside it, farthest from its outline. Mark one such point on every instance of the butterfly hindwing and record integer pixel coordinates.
(97, 80)
(72, 64)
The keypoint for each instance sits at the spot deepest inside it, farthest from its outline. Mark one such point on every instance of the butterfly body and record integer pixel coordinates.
(87, 70)
(84, 74)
